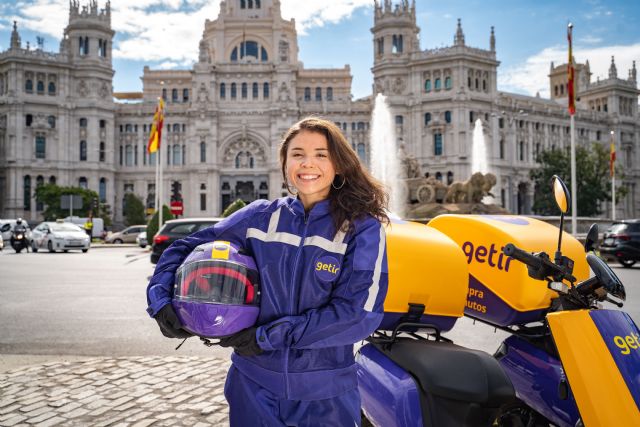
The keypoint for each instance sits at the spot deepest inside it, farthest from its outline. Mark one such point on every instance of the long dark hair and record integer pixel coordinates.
(358, 193)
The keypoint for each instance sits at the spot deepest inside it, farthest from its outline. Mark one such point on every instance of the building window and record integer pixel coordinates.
(102, 190)
(471, 117)
(39, 182)
(177, 155)
(103, 124)
(41, 146)
(360, 149)
(318, 94)
(501, 123)
(82, 182)
(101, 153)
(447, 116)
(484, 85)
(233, 91)
(203, 202)
(203, 152)
(263, 54)
(265, 91)
(223, 90)
(52, 180)
(427, 118)
(83, 122)
(427, 85)
(83, 151)
(28, 120)
(128, 158)
(437, 144)
(27, 192)
(447, 82)
(439, 176)
(521, 149)
(449, 178)
(174, 95)
(51, 120)
(380, 42)
(164, 94)
(185, 95)
(329, 94)
(396, 43)
(176, 127)
(254, 90)
(437, 84)
(502, 148)
(83, 46)
(28, 86)
(399, 120)
(243, 4)
(307, 94)
(244, 90)
(40, 87)
(598, 135)
(52, 88)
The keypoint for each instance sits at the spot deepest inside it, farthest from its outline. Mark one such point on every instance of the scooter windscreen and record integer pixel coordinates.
(217, 282)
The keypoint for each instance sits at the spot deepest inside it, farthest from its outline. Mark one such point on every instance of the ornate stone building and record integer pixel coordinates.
(59, 121)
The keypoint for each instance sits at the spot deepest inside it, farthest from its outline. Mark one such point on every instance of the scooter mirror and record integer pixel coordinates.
(607, 277)
(561, 194)
(592, 238)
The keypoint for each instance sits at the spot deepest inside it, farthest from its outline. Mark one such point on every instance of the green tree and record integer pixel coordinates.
(152, 225)
(133, 210)
(235, 206)
(592, 173)
(49, 195)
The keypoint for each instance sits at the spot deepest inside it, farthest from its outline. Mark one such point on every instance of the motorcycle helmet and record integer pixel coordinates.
(216, 291)
(18, 221)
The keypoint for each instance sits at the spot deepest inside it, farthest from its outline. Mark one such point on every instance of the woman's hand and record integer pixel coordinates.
(243, 342)
(170, 325)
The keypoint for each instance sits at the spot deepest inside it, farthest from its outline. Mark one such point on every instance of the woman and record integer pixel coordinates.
(323, 271)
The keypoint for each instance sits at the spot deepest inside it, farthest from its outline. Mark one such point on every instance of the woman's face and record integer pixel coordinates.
(309, 167)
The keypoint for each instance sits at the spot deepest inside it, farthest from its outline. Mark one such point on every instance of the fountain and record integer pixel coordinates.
(478, 150)
(385, 164)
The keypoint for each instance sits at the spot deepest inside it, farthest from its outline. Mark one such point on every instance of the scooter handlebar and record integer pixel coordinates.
(523, 256)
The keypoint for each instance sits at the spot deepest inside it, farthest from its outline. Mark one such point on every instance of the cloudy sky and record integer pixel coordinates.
(530, 34)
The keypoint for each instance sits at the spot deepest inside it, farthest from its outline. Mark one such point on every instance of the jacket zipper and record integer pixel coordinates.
(291, 302)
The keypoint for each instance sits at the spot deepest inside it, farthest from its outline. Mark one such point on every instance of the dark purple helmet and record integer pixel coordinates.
(216, 291)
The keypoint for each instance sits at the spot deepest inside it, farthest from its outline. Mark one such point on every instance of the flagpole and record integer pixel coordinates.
(572, 111)
(160, 187)
(613, 178)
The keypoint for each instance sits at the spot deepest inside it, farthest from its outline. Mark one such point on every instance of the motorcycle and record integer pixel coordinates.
(19, 240)
(567, 361)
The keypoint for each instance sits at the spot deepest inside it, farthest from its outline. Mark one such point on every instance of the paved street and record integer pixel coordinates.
(77, 347)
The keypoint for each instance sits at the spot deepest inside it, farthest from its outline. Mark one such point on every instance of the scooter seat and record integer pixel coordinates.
(449, 371)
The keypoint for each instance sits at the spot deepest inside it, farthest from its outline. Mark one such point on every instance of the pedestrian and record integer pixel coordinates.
(323, 271)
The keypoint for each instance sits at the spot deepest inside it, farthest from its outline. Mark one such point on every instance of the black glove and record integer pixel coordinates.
(170, 325)
(243, 342)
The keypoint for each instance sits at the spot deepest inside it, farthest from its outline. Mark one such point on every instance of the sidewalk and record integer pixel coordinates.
(124, 391)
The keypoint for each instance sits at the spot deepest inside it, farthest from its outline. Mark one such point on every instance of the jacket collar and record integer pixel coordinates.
(320, 208)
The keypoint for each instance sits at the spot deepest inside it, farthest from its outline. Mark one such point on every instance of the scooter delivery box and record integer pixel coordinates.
(500, 290)
(426, 268)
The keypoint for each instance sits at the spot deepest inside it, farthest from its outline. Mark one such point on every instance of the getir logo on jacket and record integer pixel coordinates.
(327, 268)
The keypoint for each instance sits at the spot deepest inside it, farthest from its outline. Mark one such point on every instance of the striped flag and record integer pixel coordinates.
(571, 72)
(156, 128)
(612, 159)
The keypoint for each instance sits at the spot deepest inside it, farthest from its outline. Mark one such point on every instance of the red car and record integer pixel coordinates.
(175, 229)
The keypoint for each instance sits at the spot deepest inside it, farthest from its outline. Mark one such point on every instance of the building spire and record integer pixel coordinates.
(633, 74)
(492, 40)
(458, 40)
(15, 37)
(613, 71)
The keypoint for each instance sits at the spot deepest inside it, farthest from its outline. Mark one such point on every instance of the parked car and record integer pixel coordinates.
(175, 229)
(55, 236)
(1, 242)
(128, 235)
(621, 242)
(141, 240)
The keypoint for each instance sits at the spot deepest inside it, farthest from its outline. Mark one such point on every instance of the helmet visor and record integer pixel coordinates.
(217, 282)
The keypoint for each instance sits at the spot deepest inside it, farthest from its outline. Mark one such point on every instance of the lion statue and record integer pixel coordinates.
(471, 191)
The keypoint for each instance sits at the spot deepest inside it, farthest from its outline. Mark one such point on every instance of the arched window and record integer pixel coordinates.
(263, 54)
(329, 94)
(83, 122)
(447, 116)
(26, 186)
(484, 85)
(307, 94)
(318, 94)
(437, 144)
(243, 4)
(254, 90)
(244, 91)
(39, 182)
(249, 48)
(28, 86)
(28, 120)
(176, 127)
(101, 152)
(83, 150)
(427, 85)
(234, 55)
(40, 87)
(102, 190)
(223, 90)
(203, 152)
(82, 182)
(177, 155)
(184, 154)
(447, 82)
(185, 95)
(52, 180)
(265, 91)
(502, 148)
(233, 91)
(522, 153)
(477, 86)
(427, 118)
(52, 121)
(128, 157)
(437, 84)
(41, 146)
(449, 178)
(52, 88)
(555, 90)
(174, 95)
(360, 149)
(439, 176)
(361, 125)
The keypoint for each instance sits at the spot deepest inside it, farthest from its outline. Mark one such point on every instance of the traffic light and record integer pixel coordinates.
(176, 187)
(95, 205)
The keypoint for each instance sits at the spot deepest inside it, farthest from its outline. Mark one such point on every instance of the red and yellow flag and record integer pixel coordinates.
(571, 72)
(156, 128)
(612, 159)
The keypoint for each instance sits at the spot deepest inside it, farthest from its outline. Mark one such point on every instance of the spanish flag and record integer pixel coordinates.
(571, 72)
(156, 128)
(612, 160)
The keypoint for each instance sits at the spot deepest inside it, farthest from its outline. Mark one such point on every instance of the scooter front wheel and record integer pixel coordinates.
(518, 414)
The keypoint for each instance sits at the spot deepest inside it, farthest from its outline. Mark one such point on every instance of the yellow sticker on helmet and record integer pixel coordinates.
(220, 250)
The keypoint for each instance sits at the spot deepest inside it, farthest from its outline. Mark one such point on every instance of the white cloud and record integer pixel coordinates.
(309, 14)
(533, 75)
(589, 39)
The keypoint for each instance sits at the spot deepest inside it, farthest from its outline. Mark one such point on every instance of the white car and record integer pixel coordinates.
(55, 236)
(1, 242)
(141, 240)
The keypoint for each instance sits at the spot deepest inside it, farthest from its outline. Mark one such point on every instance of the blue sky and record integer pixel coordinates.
(530, 34)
